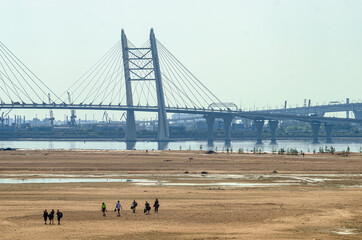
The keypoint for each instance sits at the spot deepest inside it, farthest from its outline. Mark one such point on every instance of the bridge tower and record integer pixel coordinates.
(163, 130)
(142, 64)
(130, 121)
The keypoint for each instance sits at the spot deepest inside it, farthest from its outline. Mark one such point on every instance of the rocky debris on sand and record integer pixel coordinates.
(7, 149)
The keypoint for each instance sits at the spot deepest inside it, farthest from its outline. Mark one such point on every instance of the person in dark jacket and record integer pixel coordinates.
(133, 206)
(59, 216)
(156, 205)
(147, 208)
(45, 216)
(51, 217)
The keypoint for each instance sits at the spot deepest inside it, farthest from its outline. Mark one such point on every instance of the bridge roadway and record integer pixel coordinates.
(253, 115)
(355, 107)
(210, 114)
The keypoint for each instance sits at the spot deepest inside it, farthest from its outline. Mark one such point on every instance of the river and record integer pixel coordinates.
(247, 145)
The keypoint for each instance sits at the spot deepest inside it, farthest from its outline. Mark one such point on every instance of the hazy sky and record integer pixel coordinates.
(253, 53)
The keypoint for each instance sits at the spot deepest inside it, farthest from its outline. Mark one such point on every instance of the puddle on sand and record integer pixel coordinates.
(345, 231)
(71, 180)
(177, 179)
(305, 177)
(134, 181)
(220, 184)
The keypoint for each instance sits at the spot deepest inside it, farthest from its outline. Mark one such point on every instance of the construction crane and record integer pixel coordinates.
(106, 118)
(51, 115)
(123, 116)
(3, 117)
(72, 112)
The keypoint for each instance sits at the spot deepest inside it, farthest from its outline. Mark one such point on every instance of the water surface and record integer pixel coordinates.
(304, 145)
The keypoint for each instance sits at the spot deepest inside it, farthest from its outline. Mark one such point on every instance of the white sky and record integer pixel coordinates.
(254, 53)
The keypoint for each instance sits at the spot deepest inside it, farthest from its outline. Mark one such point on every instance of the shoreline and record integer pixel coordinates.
(344, 138)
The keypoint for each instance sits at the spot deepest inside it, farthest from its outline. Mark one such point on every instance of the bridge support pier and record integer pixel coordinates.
(357, 114)
(162, 145)
(259, 131)
(315, 129)
(273, 124)
(227, 127)
(130, 127)
(210, 120)
(329, 129)
(130, 145)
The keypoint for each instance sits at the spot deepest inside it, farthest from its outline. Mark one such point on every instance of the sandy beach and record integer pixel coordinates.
(242, 196)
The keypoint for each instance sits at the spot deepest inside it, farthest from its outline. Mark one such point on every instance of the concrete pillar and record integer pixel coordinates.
(329, 130)
(162, 145)
(227, 126)
(273, 124)
(163, 130)
(130, 121)
(315, 129)
(130, 127)
(357, 114)
(259, 131)
(210, 120)
(347, 112)
(210, 145)
(130, 145)
(246, 122)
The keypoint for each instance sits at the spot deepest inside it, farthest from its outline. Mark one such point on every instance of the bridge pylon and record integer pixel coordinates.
(142, 64)
(163, 133)
(130, 121)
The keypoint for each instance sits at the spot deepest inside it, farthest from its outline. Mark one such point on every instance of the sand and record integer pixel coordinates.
(317, 196)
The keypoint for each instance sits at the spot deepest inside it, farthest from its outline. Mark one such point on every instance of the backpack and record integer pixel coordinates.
(60, 215)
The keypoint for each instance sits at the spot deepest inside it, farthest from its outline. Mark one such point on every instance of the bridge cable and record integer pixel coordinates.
(178, 77)
(185, 77)
(94, 84)
(82, 80)
(13, 84)
(22, 64)
(169, 81)
(7, 91)
(178, 90)
(89, 72)
(6, 54)
(192, 77)
(94, 89)
(108, 77)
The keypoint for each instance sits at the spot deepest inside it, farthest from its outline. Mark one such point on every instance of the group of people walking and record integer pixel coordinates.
(118, 207)
(51, 216)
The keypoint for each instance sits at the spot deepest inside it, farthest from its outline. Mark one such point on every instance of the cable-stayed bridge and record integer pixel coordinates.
(148, 78)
